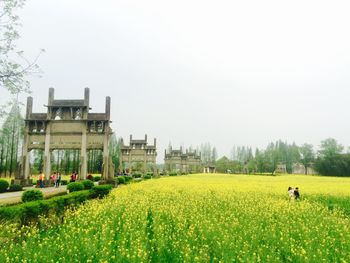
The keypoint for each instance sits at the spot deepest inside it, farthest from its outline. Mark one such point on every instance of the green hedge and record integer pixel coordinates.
(27, 212)
(3, 185)
(120, 180)
(101, 190)
(97, 178)
(74, 187)
(147, 176)
(32, 195)
(15, 188)
(128, 179)
(88, 184)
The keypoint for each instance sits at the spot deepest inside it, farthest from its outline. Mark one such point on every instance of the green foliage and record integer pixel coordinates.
(64, 182)
(147, 176)
(32, 195)
(74, 187)
(128, 179)
(137, 175)
(15, 188)
(3, 185)
(101, 190)
(121, 180)
(87, 184)
(173, 174)
(97, 178)
(333, 165)
(29, 211)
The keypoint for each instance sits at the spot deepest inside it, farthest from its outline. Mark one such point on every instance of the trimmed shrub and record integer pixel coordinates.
(3, 185)
(90, 177)
(147, 176)
(97, 178)
(121, 180)
(137, 175)
(15, 188)
(101, 190)
(30, 211)
(74, 187)
(173, 174)
(64, 182)
(87, 184)
(32, 195)
(128, 179)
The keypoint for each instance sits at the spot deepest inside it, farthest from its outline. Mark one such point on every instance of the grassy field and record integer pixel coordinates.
(197, 218)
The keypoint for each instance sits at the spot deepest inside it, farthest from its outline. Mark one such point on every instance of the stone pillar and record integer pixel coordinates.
(47, 153)
(105, 174)
(83, 156)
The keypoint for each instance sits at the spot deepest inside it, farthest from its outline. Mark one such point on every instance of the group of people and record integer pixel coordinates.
(293, 193)
(55, 177)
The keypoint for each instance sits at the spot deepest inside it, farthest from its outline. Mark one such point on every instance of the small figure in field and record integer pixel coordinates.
(291, 193)
(54, 178)
(41, 179)
(296, 193)
(73, 177)
(58, 180)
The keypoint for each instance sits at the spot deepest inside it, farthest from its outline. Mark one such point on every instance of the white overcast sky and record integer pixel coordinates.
(189, 72)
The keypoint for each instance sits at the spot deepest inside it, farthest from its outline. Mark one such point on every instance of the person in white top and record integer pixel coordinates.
(291, 193)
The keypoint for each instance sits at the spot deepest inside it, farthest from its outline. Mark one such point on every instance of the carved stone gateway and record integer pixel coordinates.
(68, 124)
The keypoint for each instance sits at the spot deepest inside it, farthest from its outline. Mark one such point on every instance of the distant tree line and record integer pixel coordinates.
(329, 160)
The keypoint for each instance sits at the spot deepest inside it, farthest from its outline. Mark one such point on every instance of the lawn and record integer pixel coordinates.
(197, 218)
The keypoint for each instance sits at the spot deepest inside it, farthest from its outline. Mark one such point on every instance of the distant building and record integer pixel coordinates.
(138, 156)
(184, 162)
(281, 169)
(210, 169)
(298, 168)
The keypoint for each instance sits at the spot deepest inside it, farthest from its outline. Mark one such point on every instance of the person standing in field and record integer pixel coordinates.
(296, 194)
(73, 177)
(58, 180)
(291, 193)
(41, 179)
(54, 178)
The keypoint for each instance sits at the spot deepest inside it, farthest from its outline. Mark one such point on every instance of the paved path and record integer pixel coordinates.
(15, 197)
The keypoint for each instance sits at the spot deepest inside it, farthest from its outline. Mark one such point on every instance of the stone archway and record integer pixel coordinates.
(67, 124)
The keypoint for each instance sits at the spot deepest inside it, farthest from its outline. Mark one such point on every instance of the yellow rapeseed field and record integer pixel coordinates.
(196, 218)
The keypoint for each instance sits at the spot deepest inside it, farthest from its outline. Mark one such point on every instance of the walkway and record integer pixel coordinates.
(15, 197)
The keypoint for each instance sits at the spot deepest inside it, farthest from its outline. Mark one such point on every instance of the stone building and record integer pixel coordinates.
(67, 124)
(184, 162)
(298, 168)
(138, 156)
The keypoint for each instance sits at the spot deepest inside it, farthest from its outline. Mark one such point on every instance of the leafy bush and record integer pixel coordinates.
(87, 184)
(32, 195)
(97, 178)
(101, 190)
(128, 179)
(29, 211)
(74, 187)
(137, 175)
(64, 182)
(150, 173)
(121, 179)
(15, 188)
(173, 174)
(3, 185)
(90, 177)
(147, 176)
